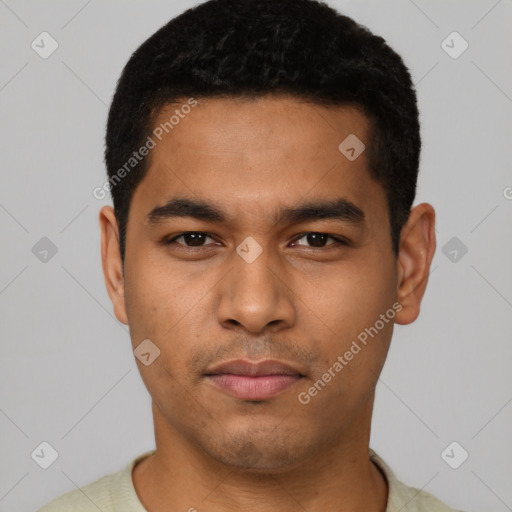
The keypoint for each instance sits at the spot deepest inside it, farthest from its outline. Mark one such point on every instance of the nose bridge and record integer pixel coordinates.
(254, 294)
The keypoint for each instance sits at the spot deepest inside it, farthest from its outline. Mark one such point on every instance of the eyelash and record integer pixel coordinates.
(337, 240)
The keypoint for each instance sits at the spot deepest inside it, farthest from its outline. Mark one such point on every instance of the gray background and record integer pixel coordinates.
(67, 372)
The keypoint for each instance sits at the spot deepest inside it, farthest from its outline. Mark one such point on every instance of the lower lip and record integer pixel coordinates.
(246, 387)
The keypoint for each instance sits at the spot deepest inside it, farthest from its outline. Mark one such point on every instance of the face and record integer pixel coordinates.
(254, 238)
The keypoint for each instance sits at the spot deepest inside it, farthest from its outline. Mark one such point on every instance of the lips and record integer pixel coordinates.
(243, 367)
(245, 380)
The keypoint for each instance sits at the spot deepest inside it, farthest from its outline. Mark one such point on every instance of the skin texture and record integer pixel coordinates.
(297, 303)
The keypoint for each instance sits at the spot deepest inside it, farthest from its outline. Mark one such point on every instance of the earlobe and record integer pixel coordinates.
(111, 262)
(417, 248)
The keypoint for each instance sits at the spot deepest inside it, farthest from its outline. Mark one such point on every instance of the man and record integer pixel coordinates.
(262, 158)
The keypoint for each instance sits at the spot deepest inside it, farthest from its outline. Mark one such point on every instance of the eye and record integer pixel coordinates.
(318, 240)
(190, 239)
(314, 239)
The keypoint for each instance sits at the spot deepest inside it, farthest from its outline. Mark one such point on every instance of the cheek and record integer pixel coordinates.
(357, 308)
(170, 308)
(157, 295)
(356, 294)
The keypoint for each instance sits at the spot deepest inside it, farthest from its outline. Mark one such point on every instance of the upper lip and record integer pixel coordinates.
(244, 367)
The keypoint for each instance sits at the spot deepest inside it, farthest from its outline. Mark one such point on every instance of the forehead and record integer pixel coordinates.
(268, 150)
(257, 124)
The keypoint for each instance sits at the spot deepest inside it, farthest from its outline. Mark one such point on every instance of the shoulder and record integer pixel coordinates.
(411, 499)
(89, 498)
(404, 498)
(108, 494)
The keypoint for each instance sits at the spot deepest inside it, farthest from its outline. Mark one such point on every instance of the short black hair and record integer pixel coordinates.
(253, 48)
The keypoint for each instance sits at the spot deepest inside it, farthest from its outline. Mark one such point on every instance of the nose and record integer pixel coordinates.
(255, 295)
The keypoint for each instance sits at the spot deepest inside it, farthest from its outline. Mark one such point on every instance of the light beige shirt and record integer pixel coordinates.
(116, 493)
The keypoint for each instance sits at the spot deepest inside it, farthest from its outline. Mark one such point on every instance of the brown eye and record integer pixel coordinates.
(191, 239)
(317, 240)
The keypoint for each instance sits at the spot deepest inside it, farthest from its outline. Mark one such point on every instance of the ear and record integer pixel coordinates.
(417, 247)
(111, 262)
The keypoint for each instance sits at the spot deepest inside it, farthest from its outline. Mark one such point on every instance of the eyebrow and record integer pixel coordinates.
(336, 209)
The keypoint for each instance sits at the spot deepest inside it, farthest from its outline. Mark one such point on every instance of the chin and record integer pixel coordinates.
(258, 455)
